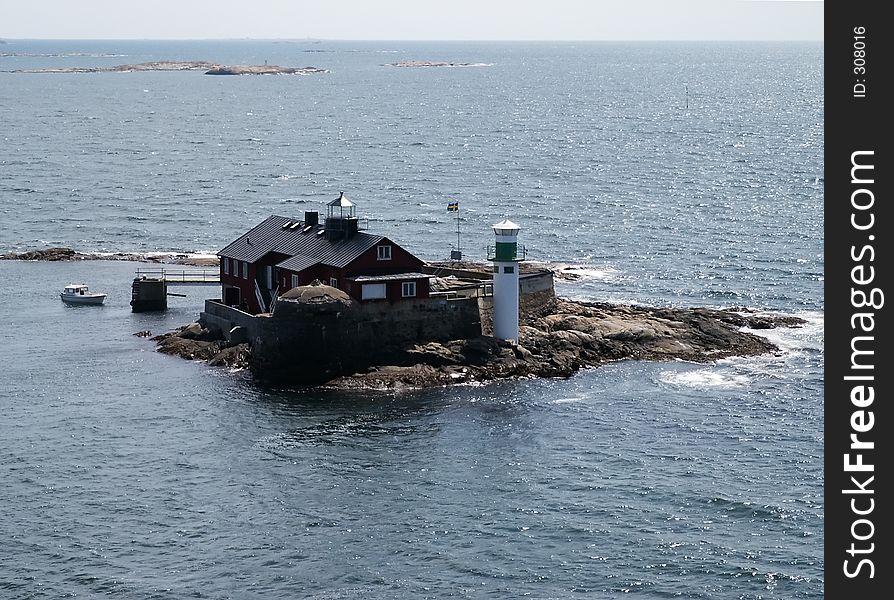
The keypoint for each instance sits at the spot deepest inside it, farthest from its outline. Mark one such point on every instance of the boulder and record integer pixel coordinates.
(234, 357)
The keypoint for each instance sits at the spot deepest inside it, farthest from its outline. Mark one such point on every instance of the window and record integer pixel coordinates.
(372, 291)
(244, 270)
(509, 269)
(384, 252)
(496, 269)
(294, 281)
(408, 289)
(333, 282)
(226, 266)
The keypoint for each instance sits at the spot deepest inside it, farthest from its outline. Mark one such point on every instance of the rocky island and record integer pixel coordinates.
(208, 67)
(556, 339)
(319, 335)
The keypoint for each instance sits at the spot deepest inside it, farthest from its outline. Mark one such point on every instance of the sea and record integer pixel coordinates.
(667, 174)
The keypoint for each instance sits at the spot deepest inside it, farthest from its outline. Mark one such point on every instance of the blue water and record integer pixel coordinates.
(137, 475)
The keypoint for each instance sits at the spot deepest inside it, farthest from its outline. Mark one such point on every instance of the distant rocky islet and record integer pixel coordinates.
(59, 253)
(209, 68)
(434, 63)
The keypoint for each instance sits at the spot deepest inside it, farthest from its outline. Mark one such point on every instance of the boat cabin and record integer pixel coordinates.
(75, 289)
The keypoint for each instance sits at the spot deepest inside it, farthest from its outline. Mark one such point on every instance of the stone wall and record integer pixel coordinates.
(311, 343)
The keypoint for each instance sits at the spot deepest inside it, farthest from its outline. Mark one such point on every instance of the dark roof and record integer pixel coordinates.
(298, 263)
(272, 235)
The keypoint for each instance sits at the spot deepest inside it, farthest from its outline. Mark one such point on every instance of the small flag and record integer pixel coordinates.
(453, 207)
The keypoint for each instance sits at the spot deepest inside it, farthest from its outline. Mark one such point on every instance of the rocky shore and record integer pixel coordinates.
(569, 336)
(194, 343)
(61, 253)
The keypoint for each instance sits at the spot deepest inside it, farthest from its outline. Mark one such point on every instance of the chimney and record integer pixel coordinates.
(311, 218)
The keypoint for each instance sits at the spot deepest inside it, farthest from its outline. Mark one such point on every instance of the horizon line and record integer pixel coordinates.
(313, 39)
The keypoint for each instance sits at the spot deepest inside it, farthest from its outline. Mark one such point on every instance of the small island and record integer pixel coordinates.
(557, 339)
(166, 65)
(431, 326)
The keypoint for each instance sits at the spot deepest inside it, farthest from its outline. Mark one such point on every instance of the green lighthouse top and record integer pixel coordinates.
(506, 247)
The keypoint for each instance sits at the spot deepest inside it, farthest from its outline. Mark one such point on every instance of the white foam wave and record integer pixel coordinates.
(704, 379)
(585, 272)
(570, 400)
(796, 345)
(792, 340)
(171, 255)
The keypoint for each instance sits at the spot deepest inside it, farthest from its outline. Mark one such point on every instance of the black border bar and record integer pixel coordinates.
(858, 370)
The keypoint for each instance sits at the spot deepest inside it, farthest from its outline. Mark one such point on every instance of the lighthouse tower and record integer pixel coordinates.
(505, 256)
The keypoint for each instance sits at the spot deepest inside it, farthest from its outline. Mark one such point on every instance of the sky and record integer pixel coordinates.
(414, 19)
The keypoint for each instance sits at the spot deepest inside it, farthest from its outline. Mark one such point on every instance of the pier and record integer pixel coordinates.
(149, 291)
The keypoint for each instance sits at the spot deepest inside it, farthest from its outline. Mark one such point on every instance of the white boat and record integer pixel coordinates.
(78, 293)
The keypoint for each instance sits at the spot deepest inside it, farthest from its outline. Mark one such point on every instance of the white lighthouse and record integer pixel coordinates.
(506, 257)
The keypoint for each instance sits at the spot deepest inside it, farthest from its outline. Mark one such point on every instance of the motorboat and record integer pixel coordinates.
(78, 293)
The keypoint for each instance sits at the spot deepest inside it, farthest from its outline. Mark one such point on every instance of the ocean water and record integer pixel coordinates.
(664, 173)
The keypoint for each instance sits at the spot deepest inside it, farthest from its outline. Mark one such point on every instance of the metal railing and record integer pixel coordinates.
(182, 276)
(482, 290)
(520, 255)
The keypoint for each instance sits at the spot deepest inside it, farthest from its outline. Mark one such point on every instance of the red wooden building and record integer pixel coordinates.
(281, 253)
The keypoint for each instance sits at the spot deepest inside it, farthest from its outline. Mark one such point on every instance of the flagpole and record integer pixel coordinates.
(457, 229)
(457, 254)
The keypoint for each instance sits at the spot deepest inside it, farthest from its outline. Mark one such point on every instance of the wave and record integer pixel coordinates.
(705, 379)
(809, 337)
(155, 256)
(585, 272)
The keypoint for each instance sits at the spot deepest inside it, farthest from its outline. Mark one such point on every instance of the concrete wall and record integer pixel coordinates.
(310, 343)
(222, 318)
(148, 294)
